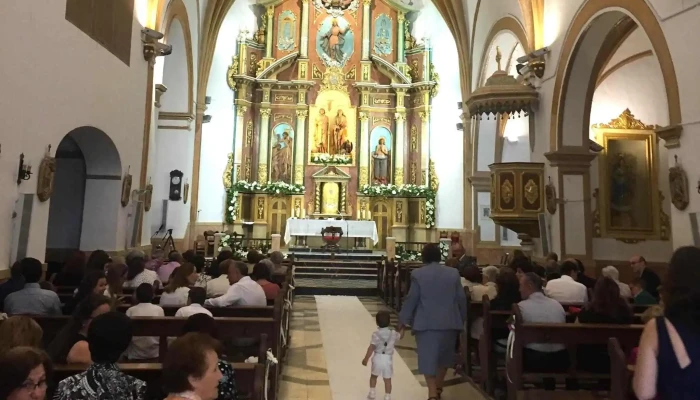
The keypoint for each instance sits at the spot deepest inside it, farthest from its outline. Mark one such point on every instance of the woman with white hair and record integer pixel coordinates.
(612, 273)
(488, 286)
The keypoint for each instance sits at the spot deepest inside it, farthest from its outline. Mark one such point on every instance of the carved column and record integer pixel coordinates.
(304, 46)
(238, 141)
(365, 28)
(424, 146)
(364, 148)
(263, 144)
(398, 148)
(400, 39)
(299, 154)
(268, 33)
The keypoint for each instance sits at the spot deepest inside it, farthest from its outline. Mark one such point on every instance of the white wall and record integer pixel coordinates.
(61, 81)
(217, 136)
(175, 72)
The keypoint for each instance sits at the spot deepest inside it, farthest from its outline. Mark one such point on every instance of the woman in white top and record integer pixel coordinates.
(177, 291)
(137, 274)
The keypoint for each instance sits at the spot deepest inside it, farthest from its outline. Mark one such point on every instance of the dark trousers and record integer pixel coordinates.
(554, 362)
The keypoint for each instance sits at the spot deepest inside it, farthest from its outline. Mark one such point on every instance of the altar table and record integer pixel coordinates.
(313, 227)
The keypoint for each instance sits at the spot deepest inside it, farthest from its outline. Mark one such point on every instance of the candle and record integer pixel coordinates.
(369, 215)
(362, 214)
(303, 213)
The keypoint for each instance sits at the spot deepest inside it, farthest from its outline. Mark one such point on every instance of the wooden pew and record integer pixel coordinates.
(620, 373)
(493, 319)
(570, 335)
(249, 377)
(236, 311)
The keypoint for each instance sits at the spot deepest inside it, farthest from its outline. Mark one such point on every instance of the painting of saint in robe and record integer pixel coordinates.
(335, 41)
(340, 132)
(380, 142)
(622, 190)
(282, 156)
(321, 132)
(382, 36)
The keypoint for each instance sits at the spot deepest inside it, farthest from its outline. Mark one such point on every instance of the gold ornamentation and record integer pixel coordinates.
(507, 191)
(302, 70)
(531, 191)
(238, 172)
(366, 2)
(299, 174)
(270, 11)
(265, 112)
(262, 173)
(47, 170)
(317, 198)
(365, 72)
(550, 194)
(302, 114)
(232, 70)
(126, 187)
(399, 211)
(381, 120)
(260, 34)
(315, 72)
(228, 170)
(626, 120)
(334, 79)
(434, 181)
(399, 117)
(148, 197)
(401, 17)
(364, 116)
(241, 110)
(261, 208)
(435, 78)
(352, 74)
(424, 116)
(398, 176)
(421, 212)
(414, 173)
(364, 176)
(414, 138)
(247, 170)
(249, 134)
(664, 220)
(408, 39)
(185, 193)
(678, 182)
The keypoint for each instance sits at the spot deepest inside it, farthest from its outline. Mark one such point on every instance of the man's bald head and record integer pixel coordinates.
(457, 250)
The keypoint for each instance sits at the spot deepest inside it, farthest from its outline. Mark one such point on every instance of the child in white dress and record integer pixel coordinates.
(381, 349)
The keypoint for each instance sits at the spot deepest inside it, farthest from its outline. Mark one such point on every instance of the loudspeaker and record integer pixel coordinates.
(459, 105)
(694, 229)
(206, 119)
(207, 99)
(460, 126)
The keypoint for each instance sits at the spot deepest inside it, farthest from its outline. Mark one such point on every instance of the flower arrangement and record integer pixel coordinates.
(337, 159)
(272, 188)
(408, 255)
(444, 250)
(406, 191)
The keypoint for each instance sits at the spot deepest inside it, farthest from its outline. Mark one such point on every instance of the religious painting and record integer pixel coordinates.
(281, 153)
(629, 203)
(286, 31)
(382, 35)
(335, 41)
(336, 8)
(380, 144)
(332, 129)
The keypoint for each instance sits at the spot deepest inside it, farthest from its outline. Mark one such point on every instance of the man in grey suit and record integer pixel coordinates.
(435, 309)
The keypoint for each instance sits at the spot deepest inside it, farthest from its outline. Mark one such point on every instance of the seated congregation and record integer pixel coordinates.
(145, 328)
(533, 329)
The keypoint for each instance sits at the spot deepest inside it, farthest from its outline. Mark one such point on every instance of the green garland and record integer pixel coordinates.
(272, 188)
(406, 191)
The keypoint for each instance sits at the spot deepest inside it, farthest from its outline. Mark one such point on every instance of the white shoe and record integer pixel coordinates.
(387, 397)
(372, 395)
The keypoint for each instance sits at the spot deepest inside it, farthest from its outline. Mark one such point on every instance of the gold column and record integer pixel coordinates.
(268, 34)
(304, 47)
(238, 141)
(364, 148)
(299, 154)
(400, 48)
(263, 144)
(424, 146)
(398, 148)
(150, 56)
(365, 29)
(194, 202)
(242, 50)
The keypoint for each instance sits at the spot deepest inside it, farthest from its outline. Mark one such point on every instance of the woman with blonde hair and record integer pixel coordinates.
(178, 288)
(19, 331)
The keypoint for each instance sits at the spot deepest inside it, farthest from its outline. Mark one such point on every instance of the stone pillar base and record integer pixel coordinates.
(276, 242)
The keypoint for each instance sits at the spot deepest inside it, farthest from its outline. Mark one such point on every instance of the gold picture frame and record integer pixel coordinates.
(628, 197)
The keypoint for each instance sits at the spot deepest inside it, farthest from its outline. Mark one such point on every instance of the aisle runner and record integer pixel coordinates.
(346, 329)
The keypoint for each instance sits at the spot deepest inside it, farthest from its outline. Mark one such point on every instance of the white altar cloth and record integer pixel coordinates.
(312, 227)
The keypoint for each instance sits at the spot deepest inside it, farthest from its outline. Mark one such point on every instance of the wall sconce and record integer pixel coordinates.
(532, 62)
(24, 171)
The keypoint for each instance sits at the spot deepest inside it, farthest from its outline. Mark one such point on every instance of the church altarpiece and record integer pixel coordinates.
(332, 103)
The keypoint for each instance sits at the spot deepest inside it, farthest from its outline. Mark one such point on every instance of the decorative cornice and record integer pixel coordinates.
(302, 113)
(574, 159)
(241, 110)
(265, 112)
(625, 120)
(389, 70)
(399, 116)
(364, 116)
(175, 116)
(279, 65)
(671, 135)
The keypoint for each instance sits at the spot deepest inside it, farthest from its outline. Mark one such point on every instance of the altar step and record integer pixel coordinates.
(323, 273)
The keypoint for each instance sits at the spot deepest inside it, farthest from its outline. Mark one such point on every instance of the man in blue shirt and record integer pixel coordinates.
(32, 299)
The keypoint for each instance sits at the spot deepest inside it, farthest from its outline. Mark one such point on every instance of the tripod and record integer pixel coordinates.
(168, 243)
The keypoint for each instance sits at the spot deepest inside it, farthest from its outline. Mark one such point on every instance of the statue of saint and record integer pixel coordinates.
(340, 131)
(380, 158)
(332, 42)
(282, 159)
(321, 132)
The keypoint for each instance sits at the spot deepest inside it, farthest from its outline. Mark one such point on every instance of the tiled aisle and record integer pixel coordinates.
(304, 375)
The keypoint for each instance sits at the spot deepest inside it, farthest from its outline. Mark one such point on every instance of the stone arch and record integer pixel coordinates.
(593, 24)
(176, 11)
(85, 205)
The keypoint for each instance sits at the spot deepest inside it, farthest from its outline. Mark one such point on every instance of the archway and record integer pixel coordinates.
(87, 190)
